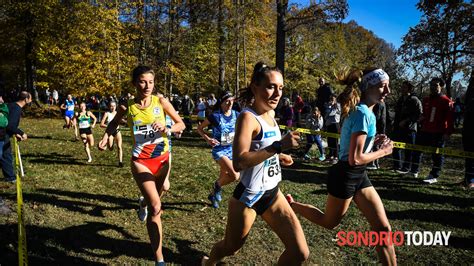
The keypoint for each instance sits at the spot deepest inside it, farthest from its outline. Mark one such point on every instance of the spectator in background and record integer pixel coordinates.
(201, 110)
(47, 94)
(436, 126)
(14, 115)
(176, 102)
(286, 113)
(408, 110)
(211, 102)
(380, 112)
(298, 105)
(323, 96)
(314, 121)
(468, 133)
(332, 118)
(55, 97)
(187, 107)
(458, 109)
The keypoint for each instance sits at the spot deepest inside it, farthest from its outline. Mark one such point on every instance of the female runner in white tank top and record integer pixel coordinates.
(257, 155)
(116, 136)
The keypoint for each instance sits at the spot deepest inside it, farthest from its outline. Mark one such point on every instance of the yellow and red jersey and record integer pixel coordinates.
(147, 143)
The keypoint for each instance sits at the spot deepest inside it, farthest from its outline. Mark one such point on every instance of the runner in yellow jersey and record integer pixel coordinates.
(150, 153)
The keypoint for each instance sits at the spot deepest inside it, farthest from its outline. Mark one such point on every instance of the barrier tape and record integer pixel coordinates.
(22, 251)
(396, 144)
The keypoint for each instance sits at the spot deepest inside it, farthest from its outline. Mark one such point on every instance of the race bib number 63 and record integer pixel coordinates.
(272, 167)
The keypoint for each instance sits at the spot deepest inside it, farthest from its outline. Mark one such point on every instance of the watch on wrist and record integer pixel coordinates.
(276, 145)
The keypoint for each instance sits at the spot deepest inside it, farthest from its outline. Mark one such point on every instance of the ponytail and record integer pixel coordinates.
(350, 96)
(260, 70)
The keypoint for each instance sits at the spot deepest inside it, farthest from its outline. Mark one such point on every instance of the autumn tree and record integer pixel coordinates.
(442, 41)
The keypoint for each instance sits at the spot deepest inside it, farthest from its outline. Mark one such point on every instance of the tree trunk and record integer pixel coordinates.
(237, 46)
(282, 6)
(30, 69)
(169, 50)
(220, 28)
(141, 26)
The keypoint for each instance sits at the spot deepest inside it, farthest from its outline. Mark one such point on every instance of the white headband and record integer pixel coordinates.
(374, 77)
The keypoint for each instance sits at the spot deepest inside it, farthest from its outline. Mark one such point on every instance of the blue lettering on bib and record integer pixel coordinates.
(269, 134)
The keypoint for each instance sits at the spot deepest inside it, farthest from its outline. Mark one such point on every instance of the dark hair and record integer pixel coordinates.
(438, 80)
(408, 84)
(24, 95)
(260, 71)
(223, 97)
(140, 70)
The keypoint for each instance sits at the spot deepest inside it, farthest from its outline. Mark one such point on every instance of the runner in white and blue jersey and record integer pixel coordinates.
(257, 154)
(68, 108)
(222, 122)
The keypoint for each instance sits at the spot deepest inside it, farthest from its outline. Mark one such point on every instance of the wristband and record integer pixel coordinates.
(276, 145)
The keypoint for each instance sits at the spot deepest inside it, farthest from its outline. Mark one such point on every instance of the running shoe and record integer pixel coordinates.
(90, 160)
(430, 179)
(120, 164)
(217, 192)
(160, 263)
(307, 157)
(289, 198)
(322, 158)
(213, 200)
(415, 175)
(218, 195)
(402, 171)
(143, 211)
(11, 179)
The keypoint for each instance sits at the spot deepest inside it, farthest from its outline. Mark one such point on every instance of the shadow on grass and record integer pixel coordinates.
(78, 203)
(87, 240)
(453, 218)
(406, 195)
(301, 172)
(48, 245)
(186, 254)
(56, 158)
(55, 138)
(177, 205)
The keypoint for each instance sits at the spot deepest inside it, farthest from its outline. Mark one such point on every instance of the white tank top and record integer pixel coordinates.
(267, 174)
(110, 117)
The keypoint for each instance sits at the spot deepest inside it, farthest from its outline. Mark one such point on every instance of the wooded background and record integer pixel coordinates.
(90, 47)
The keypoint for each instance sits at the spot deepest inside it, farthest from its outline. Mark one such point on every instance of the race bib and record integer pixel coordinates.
(271, 167)
(84, 124)
(70, 108)
(227, 138)
(145, 135)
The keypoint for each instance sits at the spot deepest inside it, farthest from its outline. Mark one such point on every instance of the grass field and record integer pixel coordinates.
(85, 214)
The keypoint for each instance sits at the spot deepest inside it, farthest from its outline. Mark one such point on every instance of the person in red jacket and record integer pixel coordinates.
(436, 127)
(298, 105)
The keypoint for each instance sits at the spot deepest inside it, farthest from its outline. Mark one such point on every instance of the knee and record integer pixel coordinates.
(331, 225)
(155, 208)
(300, 254)
(233, 247)
(166, 186)
(384, 227)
